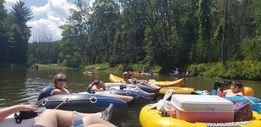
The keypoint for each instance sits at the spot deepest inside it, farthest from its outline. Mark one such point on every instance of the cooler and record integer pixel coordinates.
(202, 108)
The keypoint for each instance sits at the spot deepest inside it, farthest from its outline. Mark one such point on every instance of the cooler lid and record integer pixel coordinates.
(202, 103)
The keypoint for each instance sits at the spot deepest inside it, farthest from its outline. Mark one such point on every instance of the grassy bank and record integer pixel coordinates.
(13, 65)
(50, 66)
(250, 70)
(120, 68)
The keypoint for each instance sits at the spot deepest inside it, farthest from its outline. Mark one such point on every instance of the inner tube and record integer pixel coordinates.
(128, 90)
(255, 102)
(46, 92)
(150, 117)
(137, 97)
(147, 88)
(142, 86)
(10, 121)
(88, 103)
(134, 94)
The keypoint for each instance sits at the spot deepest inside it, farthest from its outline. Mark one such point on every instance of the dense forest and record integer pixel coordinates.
(14, 33)
(167, 33)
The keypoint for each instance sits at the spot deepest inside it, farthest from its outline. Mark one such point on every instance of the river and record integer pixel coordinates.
(23, 86)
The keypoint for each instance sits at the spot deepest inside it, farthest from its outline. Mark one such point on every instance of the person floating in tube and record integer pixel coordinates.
(58, 87)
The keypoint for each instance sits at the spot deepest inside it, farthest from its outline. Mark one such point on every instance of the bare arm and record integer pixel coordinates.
(58, 91)
(12, 109)
(94, 87)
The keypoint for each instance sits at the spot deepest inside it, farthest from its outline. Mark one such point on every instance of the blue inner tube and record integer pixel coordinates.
(130, 92)
(136, 95)
(88, 103)
(147, 88)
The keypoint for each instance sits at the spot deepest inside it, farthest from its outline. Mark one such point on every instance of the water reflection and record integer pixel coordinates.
(12, 83)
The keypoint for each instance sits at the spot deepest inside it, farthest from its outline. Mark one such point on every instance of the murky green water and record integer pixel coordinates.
(23, 85)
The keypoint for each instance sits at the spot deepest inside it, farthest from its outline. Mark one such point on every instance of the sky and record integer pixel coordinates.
(48, 15)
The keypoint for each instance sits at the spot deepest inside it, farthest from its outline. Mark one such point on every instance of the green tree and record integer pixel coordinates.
(20, 14)
(43, 52)
(204, 42)
(75, 48)
(4, 34)
(103, 23)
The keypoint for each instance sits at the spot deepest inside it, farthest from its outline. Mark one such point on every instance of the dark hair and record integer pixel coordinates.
(95, 82)
(59, 76)
(216, 85)
(239, 85)
(220, 84)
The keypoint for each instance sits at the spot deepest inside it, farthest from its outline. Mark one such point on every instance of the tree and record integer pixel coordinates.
(74, 44)
(224, 37)
(4, 34)
(204, 41)
(43, 52)
(103, 23)
(21, 32)
(167, 33)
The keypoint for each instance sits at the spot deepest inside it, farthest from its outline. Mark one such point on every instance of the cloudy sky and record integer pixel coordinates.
(47, 15)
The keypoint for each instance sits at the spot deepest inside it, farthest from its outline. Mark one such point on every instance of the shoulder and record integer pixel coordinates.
(94, 87)
(56, 91)
(67, 90)
(240, 93)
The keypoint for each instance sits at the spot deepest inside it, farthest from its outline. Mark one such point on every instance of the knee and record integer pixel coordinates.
(49, 112)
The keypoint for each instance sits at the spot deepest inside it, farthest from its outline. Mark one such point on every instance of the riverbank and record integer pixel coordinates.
(13, 65)
(249, 70)
(120, 68)
(49, 66)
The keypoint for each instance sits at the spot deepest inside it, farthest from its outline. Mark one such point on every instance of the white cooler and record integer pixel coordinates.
(202, 108)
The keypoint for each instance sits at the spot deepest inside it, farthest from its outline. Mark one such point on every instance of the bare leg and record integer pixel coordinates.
(96, 122)
(60, 118)
(150, 85)
(137, 89)
(122, 97)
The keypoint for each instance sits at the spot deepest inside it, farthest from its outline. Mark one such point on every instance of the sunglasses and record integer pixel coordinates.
(62, 80)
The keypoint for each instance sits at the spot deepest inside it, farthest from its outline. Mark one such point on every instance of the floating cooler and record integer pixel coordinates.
(202, 108)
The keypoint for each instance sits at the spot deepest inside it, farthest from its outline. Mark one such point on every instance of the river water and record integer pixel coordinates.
(23, 86)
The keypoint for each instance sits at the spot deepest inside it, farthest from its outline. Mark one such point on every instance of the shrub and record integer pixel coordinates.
(234, 70)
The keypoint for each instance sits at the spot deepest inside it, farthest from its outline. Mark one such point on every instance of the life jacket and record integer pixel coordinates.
(46, 92)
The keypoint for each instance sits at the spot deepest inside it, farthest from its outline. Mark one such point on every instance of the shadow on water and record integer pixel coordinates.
(23, 86)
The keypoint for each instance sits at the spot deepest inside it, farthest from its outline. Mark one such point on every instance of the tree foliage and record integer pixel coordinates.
(14, 33)
(166, 33)
(43, 52)
(169, 33)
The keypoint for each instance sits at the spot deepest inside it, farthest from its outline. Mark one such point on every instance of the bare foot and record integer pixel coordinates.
(107, 113)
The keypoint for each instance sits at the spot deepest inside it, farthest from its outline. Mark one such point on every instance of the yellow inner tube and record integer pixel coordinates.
(152, 118)
(179, 82)
(177, 90)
